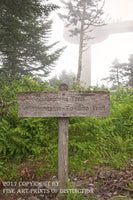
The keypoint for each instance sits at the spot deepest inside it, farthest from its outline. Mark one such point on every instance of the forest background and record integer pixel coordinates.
(25, 56)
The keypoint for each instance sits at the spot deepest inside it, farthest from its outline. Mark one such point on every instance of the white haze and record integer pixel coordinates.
(118, 45)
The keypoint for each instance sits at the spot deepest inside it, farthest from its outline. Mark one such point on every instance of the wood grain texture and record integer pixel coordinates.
(64, 104)
(63, 152)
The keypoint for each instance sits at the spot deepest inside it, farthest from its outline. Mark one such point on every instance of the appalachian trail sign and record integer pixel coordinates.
(64, 104)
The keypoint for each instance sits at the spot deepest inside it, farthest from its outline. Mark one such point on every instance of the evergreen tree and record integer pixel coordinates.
(116, 76)
(82, 16)
(129, 71)
(24, 34)
(64, 77)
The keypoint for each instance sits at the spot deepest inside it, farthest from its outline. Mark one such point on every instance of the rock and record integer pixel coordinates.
(33, 198)
(104, 174)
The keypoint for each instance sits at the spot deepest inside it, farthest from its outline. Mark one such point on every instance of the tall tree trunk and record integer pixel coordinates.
(81, 46)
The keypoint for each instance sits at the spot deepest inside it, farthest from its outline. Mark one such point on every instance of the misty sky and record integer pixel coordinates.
(120, 8)
(117, 45)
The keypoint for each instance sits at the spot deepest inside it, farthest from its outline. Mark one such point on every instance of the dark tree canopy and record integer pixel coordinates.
(24, 34)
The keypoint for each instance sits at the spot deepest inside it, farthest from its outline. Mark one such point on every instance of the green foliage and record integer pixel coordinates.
(92, 140)
(84, 140)
(25, 29)
(8, 170)
(21, 137)
(104, 140)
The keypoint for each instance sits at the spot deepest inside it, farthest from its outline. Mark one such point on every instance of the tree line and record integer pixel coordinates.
(25, 31)
(121, 73)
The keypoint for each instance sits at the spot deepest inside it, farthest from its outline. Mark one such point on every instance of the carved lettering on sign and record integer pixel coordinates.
(63, 104)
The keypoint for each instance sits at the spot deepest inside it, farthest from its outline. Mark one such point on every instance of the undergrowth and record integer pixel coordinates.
(92, 141)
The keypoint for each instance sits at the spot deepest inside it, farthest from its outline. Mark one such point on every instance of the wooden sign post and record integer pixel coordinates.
(63, 104)
(63, 146)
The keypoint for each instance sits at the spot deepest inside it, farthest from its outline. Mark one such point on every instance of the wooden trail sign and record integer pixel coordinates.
(63, 104)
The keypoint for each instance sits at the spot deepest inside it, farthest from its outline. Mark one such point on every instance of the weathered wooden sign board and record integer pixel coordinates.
(63, 104)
